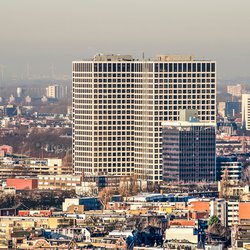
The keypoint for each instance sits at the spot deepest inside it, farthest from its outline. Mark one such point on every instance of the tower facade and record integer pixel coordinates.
(103, 115)
(119, 104)
(246, 111)
(188, 152)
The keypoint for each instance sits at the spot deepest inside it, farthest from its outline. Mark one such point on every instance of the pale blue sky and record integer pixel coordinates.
(45, 32)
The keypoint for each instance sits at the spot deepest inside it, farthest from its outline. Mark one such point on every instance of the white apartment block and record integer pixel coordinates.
(218, 207)
(52, 91)
(56, 91)
(119, 104)
(246, 111)
(226, 211)
(232, 213)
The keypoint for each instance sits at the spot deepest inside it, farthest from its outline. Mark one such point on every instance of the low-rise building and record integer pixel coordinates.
(226, 211)
(244, 212)
(198, 209)
(89, 203)
(218, 207)
(240, 236)
(15, 167)
(229, 189)
(229, 165)
(7, 149)
(177, 233)
(77, 233)
(230, 213)
(22, 183)
(62, 182)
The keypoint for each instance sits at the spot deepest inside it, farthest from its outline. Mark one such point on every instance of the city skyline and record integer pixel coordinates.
(124, 124)
(49, 35)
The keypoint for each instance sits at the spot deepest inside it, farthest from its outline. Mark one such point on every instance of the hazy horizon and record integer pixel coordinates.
(56, 32)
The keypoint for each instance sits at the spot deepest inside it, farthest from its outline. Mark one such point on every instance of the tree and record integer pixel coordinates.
(133, 187)
(123, 188)
(216, 228)
(129, 186)
(246, 173)
(7, 201)
(105, 196)
(213, 220)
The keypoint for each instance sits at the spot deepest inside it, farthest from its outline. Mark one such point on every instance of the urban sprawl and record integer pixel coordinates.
(132, 154)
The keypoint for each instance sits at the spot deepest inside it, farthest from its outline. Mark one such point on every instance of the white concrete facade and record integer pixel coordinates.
(246, 111)
(119, 104)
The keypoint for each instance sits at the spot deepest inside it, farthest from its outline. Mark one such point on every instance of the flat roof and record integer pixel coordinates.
(130, 58)
(187, 124)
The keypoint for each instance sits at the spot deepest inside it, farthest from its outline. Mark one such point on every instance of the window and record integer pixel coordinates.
(100, 67)
(175, 67)
(95, 67)
(119, 67)
(213, 67)
(179, 67)
(109, 67)
(198, 67)
(208, 67)
(105, 67)
(194, 67)
(170, 68)
(203, 67)
(184, 67)
(156, 67)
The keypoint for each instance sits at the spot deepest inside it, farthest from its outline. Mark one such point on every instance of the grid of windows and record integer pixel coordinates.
(188, 152)
(119, 105)
(246, 111)
(103, 118)
(161, 90)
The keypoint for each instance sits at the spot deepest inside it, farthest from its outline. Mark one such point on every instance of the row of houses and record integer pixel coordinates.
(142, 219)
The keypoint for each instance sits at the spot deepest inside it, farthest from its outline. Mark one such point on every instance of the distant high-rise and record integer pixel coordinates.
(119, 104)
(188, 151)
(246, 111)
(20, 92)
(56, 91)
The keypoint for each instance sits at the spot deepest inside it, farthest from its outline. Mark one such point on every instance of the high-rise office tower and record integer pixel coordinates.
(188, 151)
(246, 111)
(119, 104)
(103, 115)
